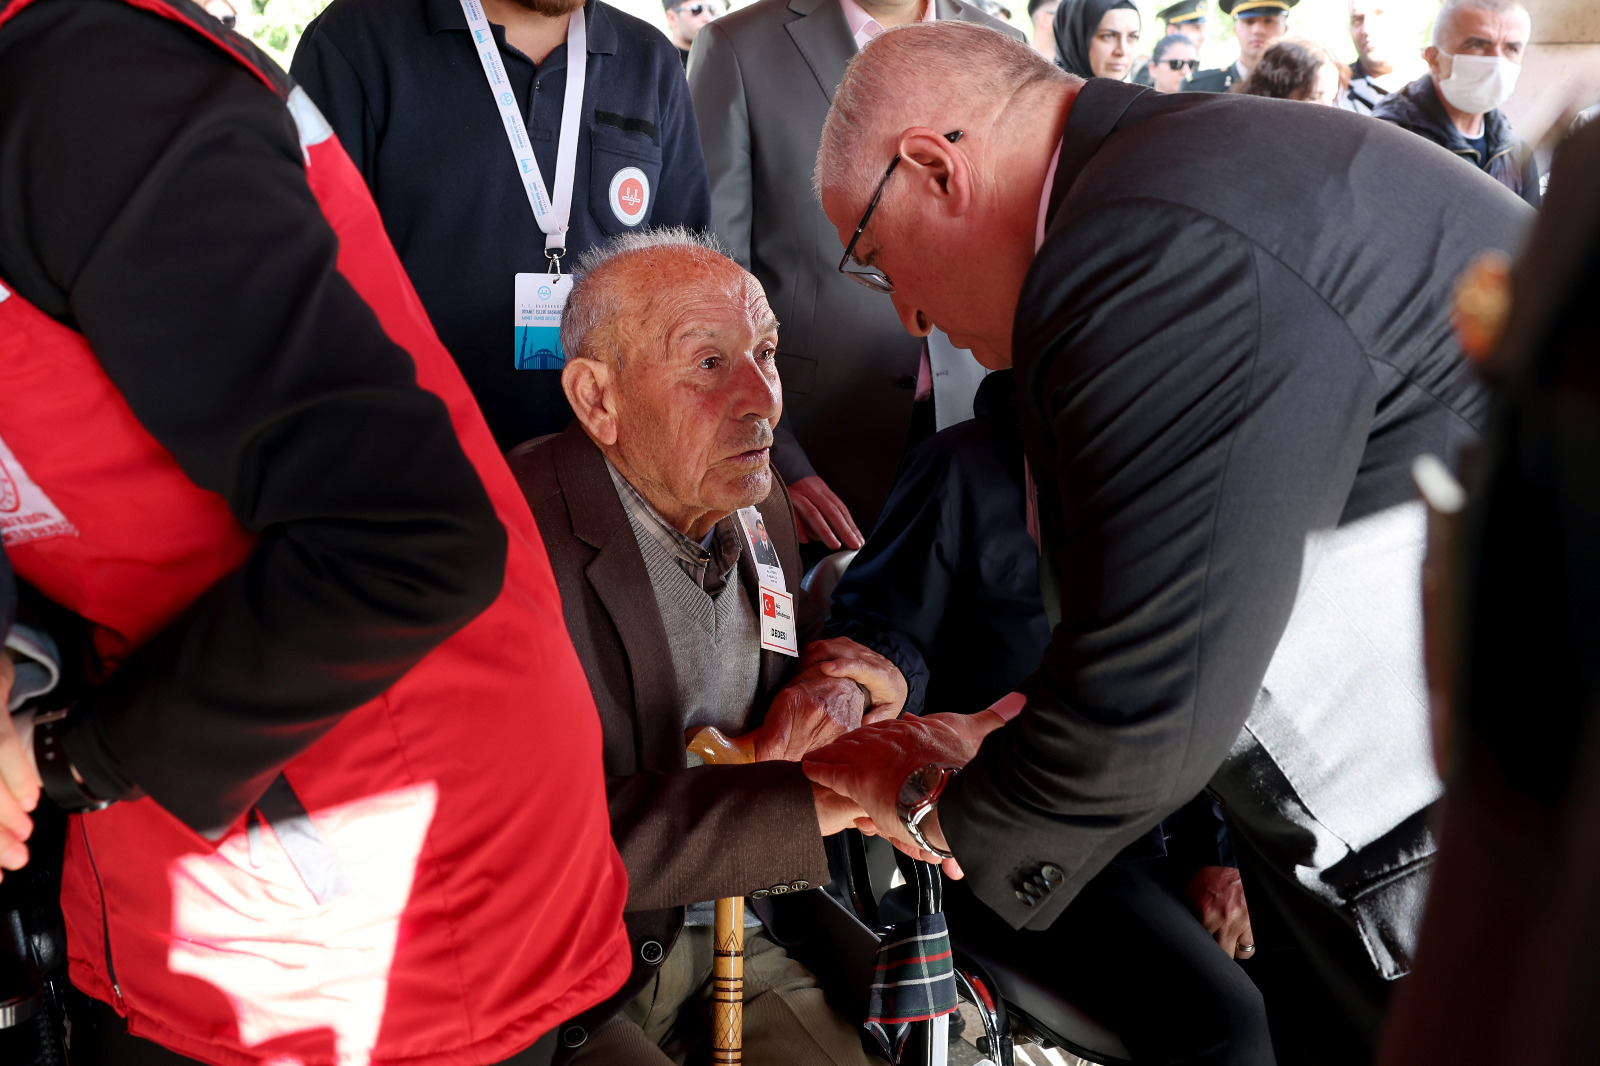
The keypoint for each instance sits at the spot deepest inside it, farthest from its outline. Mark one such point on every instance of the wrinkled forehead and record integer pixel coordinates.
(700, 298)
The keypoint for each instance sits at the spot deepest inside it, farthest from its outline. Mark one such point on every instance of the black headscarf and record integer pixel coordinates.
(1076, 21)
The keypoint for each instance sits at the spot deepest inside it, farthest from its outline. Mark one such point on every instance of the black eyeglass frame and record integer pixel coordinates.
(1179, 64)
(871, 277)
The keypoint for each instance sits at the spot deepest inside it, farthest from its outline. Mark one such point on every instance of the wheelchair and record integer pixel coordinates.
(863, 903)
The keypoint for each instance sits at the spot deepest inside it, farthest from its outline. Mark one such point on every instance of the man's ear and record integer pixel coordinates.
(590, 388)
(938, 168)
(1431, 54)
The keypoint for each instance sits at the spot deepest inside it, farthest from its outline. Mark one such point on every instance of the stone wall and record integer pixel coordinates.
(1562, 68)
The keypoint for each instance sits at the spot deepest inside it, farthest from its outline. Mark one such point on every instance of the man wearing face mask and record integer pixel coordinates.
(1473, 64)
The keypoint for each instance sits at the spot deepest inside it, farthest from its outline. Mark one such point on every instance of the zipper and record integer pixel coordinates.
(105, 921)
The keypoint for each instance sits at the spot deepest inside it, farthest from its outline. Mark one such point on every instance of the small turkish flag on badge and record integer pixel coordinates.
(630, 195)
(769, 606)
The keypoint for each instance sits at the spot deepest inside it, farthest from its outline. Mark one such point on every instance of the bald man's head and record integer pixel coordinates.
(671, 370)
(969, 119)
(943, 75)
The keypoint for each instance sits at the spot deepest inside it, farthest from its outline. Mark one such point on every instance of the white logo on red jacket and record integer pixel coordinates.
(630, 196)
(26, 513)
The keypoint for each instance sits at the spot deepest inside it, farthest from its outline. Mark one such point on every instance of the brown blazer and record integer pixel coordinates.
(685, 835)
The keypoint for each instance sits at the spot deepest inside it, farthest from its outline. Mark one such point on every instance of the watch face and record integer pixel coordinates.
(917, 786)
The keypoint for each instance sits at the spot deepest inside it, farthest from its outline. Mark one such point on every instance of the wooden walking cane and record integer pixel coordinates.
(727, 968)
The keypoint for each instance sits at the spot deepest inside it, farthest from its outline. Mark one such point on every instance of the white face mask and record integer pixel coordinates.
(1479, 84)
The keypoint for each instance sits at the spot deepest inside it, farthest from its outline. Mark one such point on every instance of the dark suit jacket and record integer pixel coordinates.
(685, 835)
(762, 79)
(1216, 355)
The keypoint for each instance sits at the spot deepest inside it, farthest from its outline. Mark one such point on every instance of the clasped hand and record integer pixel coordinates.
(19, 778)
(867, 767)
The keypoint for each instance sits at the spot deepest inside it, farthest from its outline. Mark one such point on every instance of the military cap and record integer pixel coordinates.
(1184, 11)
(1243, 9)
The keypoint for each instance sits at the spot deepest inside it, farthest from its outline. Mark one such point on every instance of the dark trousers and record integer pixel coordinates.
(101, 1038)
(1131, 954)
(1326, 1001)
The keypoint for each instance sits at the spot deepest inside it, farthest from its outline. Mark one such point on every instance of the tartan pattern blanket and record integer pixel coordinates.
(915, 980)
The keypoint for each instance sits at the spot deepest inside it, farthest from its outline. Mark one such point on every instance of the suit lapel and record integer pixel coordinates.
(823, 38)
(619, 578)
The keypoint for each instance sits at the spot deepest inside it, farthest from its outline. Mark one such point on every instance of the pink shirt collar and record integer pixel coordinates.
(863, 27)
(1044, 197)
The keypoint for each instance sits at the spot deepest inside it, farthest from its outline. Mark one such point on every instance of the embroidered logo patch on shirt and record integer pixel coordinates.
(630, 195)
(26, 513)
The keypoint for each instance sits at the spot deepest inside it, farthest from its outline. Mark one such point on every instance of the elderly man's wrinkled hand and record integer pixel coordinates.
(19, 778)
(842, 657)
(811, 711)
(870, 764)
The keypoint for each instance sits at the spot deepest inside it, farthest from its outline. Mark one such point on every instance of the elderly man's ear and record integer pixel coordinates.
(590, 388)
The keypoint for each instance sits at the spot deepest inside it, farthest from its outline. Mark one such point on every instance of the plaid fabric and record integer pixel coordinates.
(709, 568)
(915, 981)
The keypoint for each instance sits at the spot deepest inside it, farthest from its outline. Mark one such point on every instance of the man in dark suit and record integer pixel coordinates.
(1227, 359)
(653, 506)
(762, 78)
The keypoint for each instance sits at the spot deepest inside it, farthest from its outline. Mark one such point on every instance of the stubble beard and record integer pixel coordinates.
(550, 8)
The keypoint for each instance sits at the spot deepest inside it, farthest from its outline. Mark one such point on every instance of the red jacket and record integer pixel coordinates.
(466, 895)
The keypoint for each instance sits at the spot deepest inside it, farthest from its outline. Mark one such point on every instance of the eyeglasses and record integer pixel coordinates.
(714, 10)
(872, 277)
(1179, 64)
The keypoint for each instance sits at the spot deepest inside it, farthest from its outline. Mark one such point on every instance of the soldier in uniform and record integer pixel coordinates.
(1259, 24)
(1187, 17)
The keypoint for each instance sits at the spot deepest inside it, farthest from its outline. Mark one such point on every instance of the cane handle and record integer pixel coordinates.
(717, 749)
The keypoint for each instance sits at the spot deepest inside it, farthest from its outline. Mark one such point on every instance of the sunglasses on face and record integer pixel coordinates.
(714, 10)
(1180, 64)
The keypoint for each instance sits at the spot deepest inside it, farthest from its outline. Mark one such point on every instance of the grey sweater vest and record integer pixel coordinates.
(715, 642)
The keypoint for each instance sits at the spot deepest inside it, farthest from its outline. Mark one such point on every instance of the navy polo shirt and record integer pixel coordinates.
(403, 88)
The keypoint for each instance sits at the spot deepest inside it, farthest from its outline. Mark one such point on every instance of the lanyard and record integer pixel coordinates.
(553, 215)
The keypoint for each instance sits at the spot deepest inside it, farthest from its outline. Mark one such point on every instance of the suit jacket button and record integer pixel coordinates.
(778, 890)
(1027, 901)
(799, 886)
(1053, 875)
(651, 952)
(909, 381)
(574, 1035)
(760, 893)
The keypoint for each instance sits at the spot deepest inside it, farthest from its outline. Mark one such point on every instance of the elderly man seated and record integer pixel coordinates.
(661, 512)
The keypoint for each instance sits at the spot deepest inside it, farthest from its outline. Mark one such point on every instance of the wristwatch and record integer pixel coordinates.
(62, 782)
(919, 795)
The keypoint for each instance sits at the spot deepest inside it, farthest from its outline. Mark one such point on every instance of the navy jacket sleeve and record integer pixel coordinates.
(163, 187)
(894, 597)
(1182, 460)
(329, 78)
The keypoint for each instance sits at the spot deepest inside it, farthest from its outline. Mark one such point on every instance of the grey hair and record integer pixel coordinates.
(944, 75)
(1447, 14)
(592, 304)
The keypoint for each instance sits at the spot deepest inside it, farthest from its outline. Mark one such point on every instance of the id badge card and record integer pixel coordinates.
(540, 301)
(778, 630)
(769, 568)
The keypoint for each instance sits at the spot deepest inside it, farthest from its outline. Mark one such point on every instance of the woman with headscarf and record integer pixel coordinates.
(1097, 38)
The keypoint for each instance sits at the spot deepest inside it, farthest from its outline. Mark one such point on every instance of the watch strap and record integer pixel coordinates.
(912, 819)
(61, 783)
